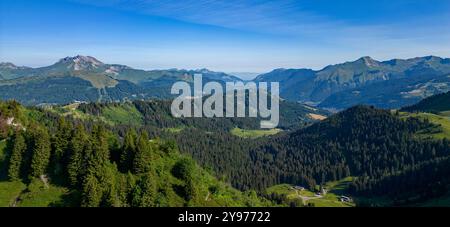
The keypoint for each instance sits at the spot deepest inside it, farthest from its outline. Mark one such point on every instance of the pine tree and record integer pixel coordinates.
(144, 193)
(148, 187)
(125, 185)
(92, 192)
(78, 146)
(191, 190)
(143, 156)
(100, 146)
(184, 170)
(41, 152)
(99, 181)
(108, 180)
(128, 151)
(60, 144)
(15, 161)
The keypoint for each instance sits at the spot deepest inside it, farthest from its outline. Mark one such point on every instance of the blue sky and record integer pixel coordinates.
(222, 35)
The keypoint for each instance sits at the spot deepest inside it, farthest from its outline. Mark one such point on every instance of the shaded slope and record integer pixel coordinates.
(436, 103)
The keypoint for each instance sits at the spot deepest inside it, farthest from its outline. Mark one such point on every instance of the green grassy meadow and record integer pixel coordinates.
(330, 199)
(442, 121)
(252, 134)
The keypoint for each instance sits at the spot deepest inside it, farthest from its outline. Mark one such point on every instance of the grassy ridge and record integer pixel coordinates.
(112, 115)
(124, 114)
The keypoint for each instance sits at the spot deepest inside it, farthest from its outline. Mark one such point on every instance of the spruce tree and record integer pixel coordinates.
(148, 187)
(17, 153)
(60, 144)
(77, 151)
(100, 149)
(110, 185)
(143, 156)
(92, 192)
(41, 152)
(128, 151)
(99, 180)
(144, 193)
(185, 170)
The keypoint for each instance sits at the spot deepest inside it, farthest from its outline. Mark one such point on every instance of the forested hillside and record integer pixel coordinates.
(435, 104)
(157, 113)
(136, 154)
(375, 146)
(88, 165)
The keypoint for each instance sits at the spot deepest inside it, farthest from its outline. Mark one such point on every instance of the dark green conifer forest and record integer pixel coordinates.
(197, 162)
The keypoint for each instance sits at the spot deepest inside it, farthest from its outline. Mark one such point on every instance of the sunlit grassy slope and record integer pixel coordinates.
(9, 191)
(330, 199)
(39, 195)
(441, 120)
(112, 115)
(244, 133)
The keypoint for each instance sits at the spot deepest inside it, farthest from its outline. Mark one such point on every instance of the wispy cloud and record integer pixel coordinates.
(283, 17)
(286, 17)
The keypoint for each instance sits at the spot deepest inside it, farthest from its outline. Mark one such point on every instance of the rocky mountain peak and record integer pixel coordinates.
(80, 62)
(368, 61)
(7, 65)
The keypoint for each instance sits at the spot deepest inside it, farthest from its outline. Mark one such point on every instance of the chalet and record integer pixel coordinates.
(345, 199)
(300, 188)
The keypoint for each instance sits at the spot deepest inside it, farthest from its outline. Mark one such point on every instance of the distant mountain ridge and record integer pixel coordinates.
(435, 103)
(386, 84)
(84, 78)
(79, 64)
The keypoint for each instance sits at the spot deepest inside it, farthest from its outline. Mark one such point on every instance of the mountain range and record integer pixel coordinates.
(84, 78)
(385, 84)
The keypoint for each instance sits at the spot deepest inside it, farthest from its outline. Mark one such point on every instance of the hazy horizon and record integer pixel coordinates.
(242, 75)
